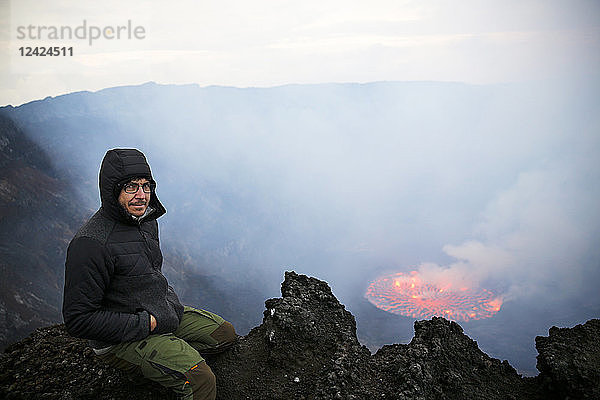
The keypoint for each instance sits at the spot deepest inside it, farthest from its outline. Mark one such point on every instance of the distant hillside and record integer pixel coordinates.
(38, 216)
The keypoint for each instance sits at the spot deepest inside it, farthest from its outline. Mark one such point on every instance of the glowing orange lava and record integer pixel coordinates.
(409, 295)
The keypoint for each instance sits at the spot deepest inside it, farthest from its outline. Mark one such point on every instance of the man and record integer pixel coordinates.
(116, 295)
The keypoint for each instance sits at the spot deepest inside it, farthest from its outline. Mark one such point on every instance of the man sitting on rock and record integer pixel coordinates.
(116, 295)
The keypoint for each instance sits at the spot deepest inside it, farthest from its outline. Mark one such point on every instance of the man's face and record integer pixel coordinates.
(135, 203)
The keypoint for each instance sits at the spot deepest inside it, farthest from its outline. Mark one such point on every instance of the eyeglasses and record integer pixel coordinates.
(133, 187)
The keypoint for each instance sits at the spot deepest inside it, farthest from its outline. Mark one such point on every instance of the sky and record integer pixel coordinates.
(269, 43)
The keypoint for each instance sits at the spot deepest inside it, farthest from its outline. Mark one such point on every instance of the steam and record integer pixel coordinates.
(536, 237)
(492, 185)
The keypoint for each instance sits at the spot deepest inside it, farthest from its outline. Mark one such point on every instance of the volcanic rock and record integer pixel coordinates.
(306, 348)
(569, 361)
(50, 364)
(443, 363)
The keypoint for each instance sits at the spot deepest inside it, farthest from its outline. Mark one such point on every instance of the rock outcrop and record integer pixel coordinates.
(306, 348)
(569, 361)
(441, 362)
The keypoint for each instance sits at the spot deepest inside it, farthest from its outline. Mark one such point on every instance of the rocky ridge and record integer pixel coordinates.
(569, 361)
(306, 348)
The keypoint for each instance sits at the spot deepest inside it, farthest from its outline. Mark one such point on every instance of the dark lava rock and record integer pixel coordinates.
(569, 361)
(443, 363)
(50, 364)
(306, 348)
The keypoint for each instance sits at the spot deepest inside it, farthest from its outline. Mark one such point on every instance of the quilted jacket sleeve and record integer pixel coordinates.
(174, 302)
(87, 275)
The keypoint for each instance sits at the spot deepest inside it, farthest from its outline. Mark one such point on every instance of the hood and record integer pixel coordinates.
(119, 166)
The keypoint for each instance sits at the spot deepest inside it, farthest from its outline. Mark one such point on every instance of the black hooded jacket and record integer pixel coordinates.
(113, 278)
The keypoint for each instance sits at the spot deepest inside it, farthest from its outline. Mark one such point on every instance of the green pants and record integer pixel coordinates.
(174, 359)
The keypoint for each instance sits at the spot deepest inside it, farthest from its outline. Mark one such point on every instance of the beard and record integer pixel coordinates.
(128, 210)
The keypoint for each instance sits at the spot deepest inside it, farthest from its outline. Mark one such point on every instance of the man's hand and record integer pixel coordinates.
(152, 322)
